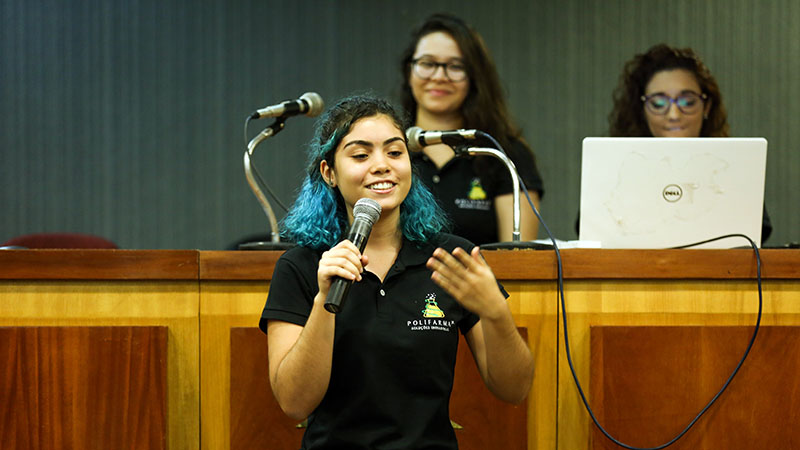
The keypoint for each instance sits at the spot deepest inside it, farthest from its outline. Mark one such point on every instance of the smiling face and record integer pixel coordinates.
(674, 123)
(371, 161)
(438, 95)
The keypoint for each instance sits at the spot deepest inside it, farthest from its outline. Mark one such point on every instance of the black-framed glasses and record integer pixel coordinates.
(688, 103)
(426, 67)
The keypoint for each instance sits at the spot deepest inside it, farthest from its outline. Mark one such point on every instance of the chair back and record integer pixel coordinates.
(59, 240)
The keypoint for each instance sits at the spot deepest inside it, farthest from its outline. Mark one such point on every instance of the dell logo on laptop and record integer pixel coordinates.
(672, 193)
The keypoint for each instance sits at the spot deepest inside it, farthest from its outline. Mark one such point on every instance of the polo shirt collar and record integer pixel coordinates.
(411, 255)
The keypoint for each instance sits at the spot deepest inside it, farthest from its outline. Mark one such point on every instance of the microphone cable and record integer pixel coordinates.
(566, 334)
(255, 171)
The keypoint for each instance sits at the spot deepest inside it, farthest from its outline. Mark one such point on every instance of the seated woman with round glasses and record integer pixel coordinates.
(449, 82)
(669, 92)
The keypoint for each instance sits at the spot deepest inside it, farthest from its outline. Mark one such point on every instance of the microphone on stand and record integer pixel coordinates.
(419, 138)
(310, 104)
(365, 213)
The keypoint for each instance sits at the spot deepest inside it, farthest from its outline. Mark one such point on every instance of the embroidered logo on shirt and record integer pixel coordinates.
(476, 197)
(476, 191)
(432, 317)
(431, 307)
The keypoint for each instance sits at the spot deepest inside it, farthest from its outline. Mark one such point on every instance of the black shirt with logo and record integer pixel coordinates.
(394, 351)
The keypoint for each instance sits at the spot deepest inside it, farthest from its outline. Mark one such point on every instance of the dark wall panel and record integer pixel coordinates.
(125, 118)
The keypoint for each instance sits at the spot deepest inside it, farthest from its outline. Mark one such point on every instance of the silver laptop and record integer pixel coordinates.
(669, 192)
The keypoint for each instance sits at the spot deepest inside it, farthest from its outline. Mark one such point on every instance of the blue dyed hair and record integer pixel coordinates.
(318, 217)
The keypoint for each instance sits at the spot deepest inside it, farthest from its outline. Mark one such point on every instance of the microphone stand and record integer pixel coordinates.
(516, 242)
(275, 238)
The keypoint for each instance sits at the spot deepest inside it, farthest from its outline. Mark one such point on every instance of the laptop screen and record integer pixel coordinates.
(669, 192)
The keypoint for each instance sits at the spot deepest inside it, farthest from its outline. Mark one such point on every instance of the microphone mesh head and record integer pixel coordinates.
(412, 136)
(315, 103)
(368, 209)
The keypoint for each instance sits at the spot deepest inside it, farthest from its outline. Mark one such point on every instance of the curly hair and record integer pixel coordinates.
(318, 217)
(627, 118)
(484, 107)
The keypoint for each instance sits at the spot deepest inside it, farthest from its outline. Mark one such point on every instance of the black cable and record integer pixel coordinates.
(716, 396)
(269, 189)
(566, 334)
(694, 244)
(256, 172)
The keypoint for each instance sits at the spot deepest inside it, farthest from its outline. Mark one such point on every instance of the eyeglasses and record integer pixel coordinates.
(425, 68)
(688, 103)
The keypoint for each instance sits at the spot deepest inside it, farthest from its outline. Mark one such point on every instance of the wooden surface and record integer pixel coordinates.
(216, 292)
(507, 264)
(657, 303)
(252, 402)
(577, 264)
(648, 383)
(238, 265)
(98, 265)
(224, 306)
(83, 387)
(483, 421)
(227, 306)
(114, 303)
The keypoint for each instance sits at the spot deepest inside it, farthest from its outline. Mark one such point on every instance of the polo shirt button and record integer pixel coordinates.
(436, 178)
(383, 293)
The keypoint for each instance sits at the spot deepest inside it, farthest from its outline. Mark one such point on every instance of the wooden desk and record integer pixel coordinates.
(87, 292)
(207, 300)
(603, 288)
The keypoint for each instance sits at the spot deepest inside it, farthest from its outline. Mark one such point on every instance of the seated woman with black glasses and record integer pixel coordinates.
(669, 92)
(449, 82)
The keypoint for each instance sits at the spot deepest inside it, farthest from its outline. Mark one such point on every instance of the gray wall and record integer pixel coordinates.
(124, 118)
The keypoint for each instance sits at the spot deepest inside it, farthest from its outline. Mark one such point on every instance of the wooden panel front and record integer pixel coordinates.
(170, 304)
(233, 349)
(225, 306)
(83, 387)
(648, 383)
(257, 422)
(481, 420)
(662, 303)
(190, 291)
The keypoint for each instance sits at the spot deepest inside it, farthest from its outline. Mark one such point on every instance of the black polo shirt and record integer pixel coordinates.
(467, 199)
(394, 351)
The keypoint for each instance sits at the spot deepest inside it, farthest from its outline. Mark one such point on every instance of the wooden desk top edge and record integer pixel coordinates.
(212, 265)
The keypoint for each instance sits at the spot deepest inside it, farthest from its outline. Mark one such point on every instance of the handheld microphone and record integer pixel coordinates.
(365, 213)
(419, 138)
(310, 104)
